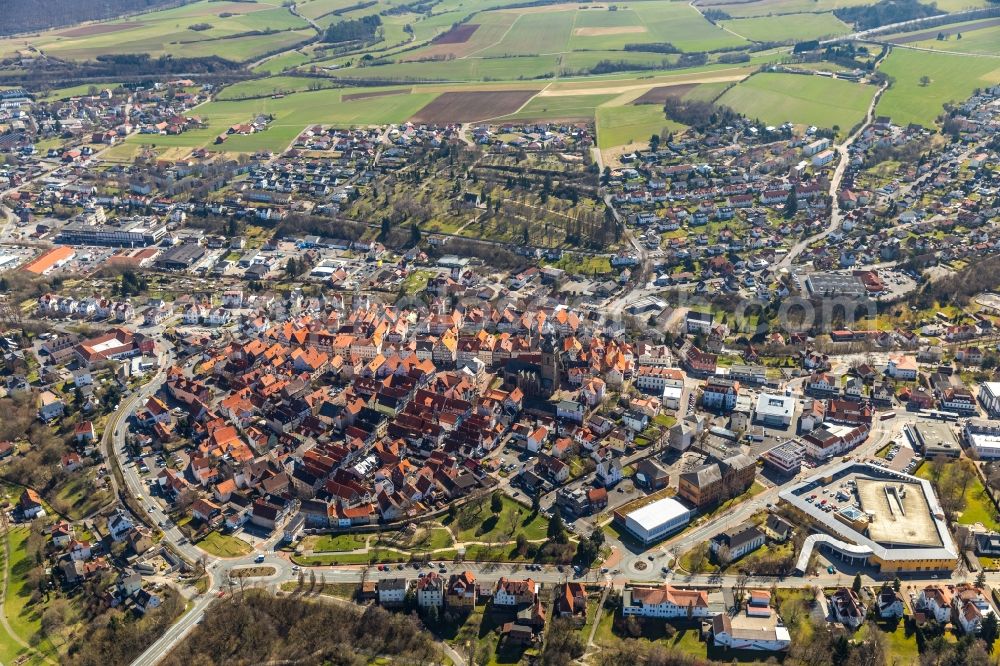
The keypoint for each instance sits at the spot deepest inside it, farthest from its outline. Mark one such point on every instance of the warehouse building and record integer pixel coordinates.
(181, 257)
(655, 520)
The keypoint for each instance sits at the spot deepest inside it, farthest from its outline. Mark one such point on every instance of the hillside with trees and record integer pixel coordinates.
(256, 627)
(31, 15)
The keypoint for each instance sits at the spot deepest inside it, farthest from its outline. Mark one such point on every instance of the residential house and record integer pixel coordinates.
(664, 601)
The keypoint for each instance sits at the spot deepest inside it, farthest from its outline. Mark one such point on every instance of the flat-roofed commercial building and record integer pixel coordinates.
(785, 458)
(655, 520)
(902, 529)
(775, 410)
(139, 234)
(982, 437)
(933, 438)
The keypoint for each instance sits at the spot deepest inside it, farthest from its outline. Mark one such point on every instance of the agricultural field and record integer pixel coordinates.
(926, 35)
(984, 41)
(626, 125)
(740, 9)
(197, 29)
(800, 99)
(474, 105)
(788, 27)
(271, 85)
(568, 107)
(952, 78)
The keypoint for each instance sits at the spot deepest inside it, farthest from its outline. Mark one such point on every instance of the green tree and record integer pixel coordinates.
(856, 585)
(791, 204)
(496, 502)
(988, 630)
(556, 531)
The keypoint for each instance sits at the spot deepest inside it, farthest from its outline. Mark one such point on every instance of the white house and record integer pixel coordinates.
(50, 406)
(971, 607)
(609, 472)
(758, 628)
(664, 602)
(537, 439)
(79, 550)
(571, 410)
(430, 591)
(737, 541)
(847, 608)
(514, 592)
(889, 603)
(119, 525)
(902, 366)
(935, 601)
(392, 591)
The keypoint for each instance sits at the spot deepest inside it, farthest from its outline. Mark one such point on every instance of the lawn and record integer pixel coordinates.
(333, 559)
(75, 91)
(486, 526)
(77, 497)
(901, 648)
(328, 543)
(952, 78)
(270, 86)
(339, 590)
(416, 282)
(224, 545)
(625, 125)
(754, 490)
(803, 100)
(25, 618)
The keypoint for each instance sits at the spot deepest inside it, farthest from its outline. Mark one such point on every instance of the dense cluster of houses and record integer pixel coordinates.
(375, 413)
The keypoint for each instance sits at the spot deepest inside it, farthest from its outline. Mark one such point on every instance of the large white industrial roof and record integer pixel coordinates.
(659, 512)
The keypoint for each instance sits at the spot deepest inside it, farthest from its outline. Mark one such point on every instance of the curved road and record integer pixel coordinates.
(836, 217)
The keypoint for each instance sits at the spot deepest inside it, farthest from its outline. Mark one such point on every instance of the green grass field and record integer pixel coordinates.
(270, 86)
(985, 41)
(790, 27)
(25, 618)
(224, 545)
(490, 527)
(804, 100)
(567, 107)
(327, 543)
(623, 125)
(953, 78)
